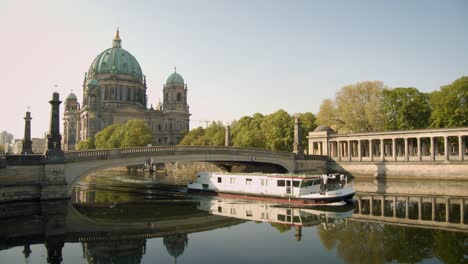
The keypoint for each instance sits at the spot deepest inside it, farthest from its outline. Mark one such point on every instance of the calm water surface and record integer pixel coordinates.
(122, 218)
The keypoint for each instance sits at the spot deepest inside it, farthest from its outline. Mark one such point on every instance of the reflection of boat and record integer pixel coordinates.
(280, 188)
(275, 213)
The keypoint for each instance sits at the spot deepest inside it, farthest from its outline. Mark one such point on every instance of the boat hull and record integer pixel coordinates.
(276, 199)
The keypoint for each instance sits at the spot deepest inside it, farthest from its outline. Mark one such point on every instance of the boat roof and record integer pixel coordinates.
(269, 175)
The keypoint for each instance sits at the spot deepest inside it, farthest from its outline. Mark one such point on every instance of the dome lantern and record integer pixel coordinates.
(117, 42)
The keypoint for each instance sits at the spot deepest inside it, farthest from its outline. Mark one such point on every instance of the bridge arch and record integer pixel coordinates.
(82, 163)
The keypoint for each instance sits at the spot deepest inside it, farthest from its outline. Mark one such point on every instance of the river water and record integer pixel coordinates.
(116, 217)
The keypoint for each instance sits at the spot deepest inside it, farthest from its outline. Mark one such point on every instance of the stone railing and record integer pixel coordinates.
(75, 156)
(24, 160)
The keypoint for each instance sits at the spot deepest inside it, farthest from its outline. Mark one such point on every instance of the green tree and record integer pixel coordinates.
(327, 114)
(356, 108)
(107, 138)
(247, 132)
(405, 108)
(134, 133)
(86, 144)
(450, 105)
(308, 121)
(278, 130)
(213, 135)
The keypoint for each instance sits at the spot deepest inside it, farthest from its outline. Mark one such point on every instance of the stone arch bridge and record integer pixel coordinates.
(81, 163)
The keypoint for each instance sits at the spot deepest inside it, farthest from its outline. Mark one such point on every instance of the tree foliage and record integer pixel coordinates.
(133, 133)
(213, 135)
(274, 131)
(450, 105)
(405, 108)
(86, 144)
(356, 108)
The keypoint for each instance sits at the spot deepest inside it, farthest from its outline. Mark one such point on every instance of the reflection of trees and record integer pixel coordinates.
(121, 251)
(449, 246)
(408, 245)
(281, 227)
(360, 242)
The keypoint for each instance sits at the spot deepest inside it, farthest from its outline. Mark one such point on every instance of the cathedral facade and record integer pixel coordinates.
(114, 91)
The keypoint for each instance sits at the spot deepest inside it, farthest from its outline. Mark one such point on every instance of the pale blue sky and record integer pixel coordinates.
(237, 57)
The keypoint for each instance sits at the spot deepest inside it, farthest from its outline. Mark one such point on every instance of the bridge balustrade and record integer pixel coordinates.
(74, 156)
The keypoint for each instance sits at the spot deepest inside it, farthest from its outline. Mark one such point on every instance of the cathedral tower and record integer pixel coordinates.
(175, 107)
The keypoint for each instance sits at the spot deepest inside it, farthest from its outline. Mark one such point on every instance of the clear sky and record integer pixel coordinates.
(238, 57)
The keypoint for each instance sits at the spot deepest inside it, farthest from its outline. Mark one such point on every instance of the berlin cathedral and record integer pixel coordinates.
(114, 91)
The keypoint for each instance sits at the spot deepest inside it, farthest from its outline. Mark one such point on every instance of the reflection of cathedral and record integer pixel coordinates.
(114, 91)
(175, 244)
(130, 251)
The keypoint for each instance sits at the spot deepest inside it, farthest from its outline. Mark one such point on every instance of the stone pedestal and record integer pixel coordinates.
(53, 182)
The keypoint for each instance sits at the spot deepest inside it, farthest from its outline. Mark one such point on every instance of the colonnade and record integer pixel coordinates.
(415, 145)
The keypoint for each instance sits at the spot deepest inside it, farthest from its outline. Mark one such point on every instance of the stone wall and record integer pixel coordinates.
(402, 170)
(20, 183)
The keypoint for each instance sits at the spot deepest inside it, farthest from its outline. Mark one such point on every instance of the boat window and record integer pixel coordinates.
(219, 179)
(248, 181)
(281, 217)
(220, 209)
(233, 211)
(232, 180)
(281, 183)
(307, 183)
(296, 183)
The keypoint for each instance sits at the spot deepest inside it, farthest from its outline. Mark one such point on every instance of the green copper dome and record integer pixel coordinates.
(72, 96)
(175, 79)
(116, 60)
(92, 82)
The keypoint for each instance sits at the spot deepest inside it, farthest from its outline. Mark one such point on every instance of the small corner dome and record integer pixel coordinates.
(175, 79)
(92, 82)
(72, 96)
(322, 128)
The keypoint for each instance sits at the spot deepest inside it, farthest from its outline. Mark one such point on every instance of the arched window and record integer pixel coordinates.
(179, 97)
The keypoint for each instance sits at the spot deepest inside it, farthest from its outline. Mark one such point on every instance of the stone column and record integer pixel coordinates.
(359, 150)
(432, 150)
(394, 149)
(447, 209)
(54, 152)
(382, 153)
(433, 204)
(406, 207)
(227, 138)
(382, 206)
(338, 146)
(418, 142)
(394, 206)
(349, 149)
(461, 149)
(462, 210)
(297, 138)
(359, 205)
(420, 208)
(27, 142)
(371, 150)
(371, 205)
(406, 150)
(446, 149)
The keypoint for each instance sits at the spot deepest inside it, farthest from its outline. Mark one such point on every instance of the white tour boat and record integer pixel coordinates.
(281, 188)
